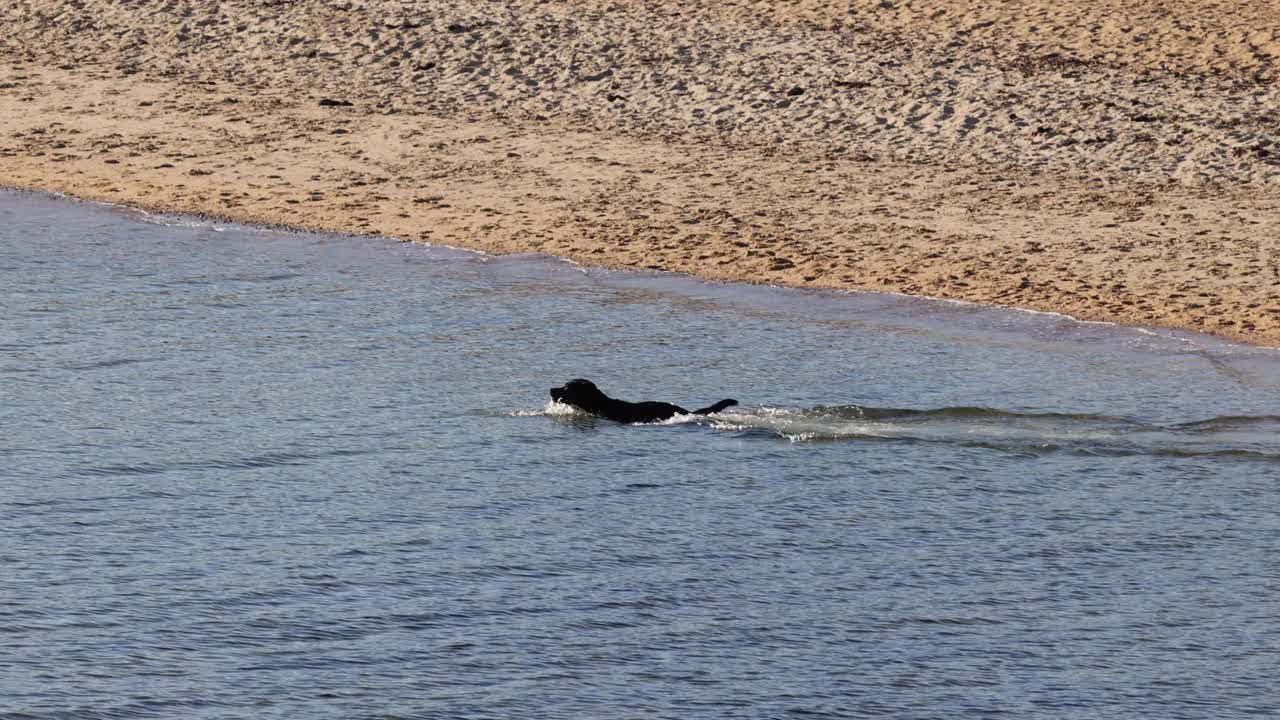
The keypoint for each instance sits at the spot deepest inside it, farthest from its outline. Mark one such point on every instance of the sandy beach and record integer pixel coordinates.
(1112, 161)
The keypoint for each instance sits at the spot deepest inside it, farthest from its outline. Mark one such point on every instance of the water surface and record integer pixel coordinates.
(250, 474)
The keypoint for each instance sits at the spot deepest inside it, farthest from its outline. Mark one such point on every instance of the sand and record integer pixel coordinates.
(1112, 161)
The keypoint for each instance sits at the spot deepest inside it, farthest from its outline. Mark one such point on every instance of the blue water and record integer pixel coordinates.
(251, 474)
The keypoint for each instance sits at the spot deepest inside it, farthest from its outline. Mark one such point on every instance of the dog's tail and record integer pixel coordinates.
(715, 408)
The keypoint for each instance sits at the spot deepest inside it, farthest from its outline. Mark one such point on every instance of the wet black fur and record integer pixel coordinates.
(584, 395)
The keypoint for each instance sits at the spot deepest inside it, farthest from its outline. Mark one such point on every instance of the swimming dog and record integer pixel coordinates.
(584, 395)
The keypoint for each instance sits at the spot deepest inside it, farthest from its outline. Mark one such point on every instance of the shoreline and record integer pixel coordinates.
(1187, 335)
(1133, 215)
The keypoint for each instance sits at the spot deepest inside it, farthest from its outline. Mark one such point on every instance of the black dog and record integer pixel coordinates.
(584, 395)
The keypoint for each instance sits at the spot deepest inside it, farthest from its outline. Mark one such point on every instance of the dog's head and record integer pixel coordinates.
(579, 393)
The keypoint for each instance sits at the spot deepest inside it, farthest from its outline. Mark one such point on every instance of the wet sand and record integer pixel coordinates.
(1111, 161)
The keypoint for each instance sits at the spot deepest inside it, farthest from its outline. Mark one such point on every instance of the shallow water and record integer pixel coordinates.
(249, 474)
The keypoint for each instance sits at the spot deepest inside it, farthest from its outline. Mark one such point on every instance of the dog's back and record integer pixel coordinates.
(644, 412)
(584, 395)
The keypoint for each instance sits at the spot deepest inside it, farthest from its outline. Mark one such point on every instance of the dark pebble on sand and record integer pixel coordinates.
(329, 102)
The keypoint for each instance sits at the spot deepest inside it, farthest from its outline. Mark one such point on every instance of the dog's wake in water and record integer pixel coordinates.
(1022, 432)
(1034, 433)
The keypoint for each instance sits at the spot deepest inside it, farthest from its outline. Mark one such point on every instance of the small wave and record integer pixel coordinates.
(103, 364)
(251, 462)
(270, 277)
(1232, 422)
(920, 620)
(246, 278)
(1037, 432)
(1226, 453)
(961, 412)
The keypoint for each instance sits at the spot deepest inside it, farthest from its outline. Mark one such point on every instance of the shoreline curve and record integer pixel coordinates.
(965, 155)
(1191, 336)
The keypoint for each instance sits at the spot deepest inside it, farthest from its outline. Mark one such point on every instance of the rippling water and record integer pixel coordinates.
(247, 474)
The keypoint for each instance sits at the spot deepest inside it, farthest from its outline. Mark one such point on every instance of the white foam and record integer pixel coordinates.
(558, 408)
(552, 408)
